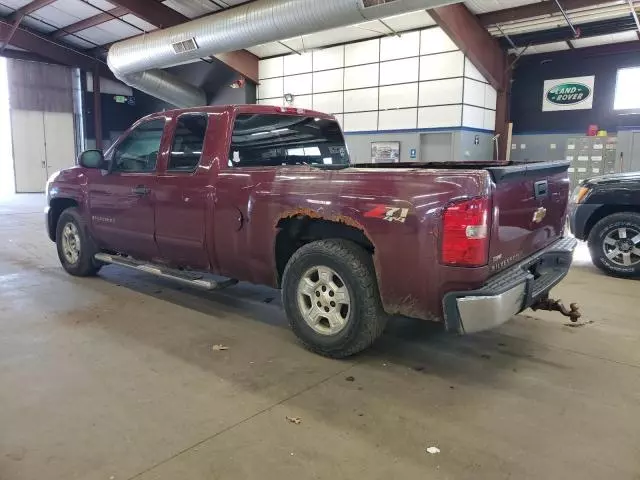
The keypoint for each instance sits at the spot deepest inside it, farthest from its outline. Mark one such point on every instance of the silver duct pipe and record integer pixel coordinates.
(134, 61)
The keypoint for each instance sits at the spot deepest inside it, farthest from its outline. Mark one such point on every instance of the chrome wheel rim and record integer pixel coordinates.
(622, 246)
(71, 243)
(324, 300)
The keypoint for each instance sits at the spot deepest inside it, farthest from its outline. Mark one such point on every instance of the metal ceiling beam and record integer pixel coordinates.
(472, 38)
(548, 7)
(242, 61)
(51, 50)
(153, 12)
(90, 22)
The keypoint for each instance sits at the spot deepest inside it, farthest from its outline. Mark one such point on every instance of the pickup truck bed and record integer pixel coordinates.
(272, 199)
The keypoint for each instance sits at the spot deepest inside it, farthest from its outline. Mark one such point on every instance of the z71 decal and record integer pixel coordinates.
(390, 214)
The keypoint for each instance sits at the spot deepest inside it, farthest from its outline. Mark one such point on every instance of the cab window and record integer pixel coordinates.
(188, 142)
(138, 152)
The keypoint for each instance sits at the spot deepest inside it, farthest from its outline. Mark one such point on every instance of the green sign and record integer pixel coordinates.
(568, 93)
(120, 99)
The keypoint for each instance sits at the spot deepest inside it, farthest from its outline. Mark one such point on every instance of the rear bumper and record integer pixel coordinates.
(510, 292)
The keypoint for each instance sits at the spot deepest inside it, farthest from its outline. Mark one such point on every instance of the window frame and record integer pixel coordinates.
(615, 90)
(113, 149)
(168, 169)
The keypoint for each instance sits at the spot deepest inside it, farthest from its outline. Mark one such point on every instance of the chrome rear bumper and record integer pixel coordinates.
(509, 292)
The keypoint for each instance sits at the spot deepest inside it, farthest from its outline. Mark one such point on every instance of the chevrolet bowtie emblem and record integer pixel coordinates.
(539, 214)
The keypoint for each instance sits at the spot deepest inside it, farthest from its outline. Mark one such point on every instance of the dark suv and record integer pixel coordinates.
(605, 211)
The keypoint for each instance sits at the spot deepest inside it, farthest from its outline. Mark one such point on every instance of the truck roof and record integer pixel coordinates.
(247, 108)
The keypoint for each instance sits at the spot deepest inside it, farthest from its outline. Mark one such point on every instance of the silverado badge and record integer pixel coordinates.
(539, 214)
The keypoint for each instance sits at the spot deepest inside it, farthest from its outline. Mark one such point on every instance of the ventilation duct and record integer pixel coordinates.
(137, 61)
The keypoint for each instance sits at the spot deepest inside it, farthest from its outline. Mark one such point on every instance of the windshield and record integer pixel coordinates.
(270, 140)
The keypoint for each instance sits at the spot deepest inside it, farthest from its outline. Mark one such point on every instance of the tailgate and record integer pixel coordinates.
(529, 208)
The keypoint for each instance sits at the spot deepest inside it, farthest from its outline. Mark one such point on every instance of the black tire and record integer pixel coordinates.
(85, 265)
(366, 318)
(597, 236)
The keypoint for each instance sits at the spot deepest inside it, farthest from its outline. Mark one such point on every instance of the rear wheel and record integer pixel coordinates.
(614, 243)
(75, 246)
(330, 294)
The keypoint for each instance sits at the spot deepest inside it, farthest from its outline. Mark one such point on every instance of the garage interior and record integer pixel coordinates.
(122, 376)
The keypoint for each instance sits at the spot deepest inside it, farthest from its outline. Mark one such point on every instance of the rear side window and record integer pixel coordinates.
(272, 140)
(188, 142)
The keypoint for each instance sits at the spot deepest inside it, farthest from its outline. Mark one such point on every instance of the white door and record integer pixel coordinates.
(59, 139)
(29, 156)
(43, 143)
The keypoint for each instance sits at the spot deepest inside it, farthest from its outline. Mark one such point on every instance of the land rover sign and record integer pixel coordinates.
(568, 94)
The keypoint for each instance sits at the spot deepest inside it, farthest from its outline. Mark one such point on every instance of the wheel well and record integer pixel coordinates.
(297, 231)
(57, 206)
(605, 211)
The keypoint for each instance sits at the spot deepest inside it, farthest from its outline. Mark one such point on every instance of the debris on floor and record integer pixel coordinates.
(219, 348)
(578, 325)
(268, 300)
(350, 379)
(433, 450)
(295, 420)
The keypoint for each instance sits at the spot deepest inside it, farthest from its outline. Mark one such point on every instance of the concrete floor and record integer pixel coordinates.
(115, 378)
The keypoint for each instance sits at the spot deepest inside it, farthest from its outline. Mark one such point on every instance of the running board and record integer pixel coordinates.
(160, 271)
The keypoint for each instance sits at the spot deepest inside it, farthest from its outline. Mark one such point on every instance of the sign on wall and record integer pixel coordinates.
(575, 93)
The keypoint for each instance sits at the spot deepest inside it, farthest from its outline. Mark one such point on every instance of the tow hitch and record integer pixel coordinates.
(552, 305)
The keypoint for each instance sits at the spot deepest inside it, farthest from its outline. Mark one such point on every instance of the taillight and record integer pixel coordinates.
(465, 233)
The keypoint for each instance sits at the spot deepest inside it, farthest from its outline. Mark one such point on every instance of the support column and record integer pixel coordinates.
(97, 109)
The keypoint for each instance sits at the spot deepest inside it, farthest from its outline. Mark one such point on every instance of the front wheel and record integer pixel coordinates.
(75, 246)
(331, 298)
(614, 244)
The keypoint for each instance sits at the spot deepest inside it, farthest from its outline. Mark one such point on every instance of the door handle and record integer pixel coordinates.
(141, 190)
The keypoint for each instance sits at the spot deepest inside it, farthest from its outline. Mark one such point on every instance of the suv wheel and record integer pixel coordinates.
(614, 243)
(75, 246)
(330, 294)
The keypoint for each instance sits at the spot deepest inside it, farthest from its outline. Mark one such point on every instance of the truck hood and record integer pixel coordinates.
(613, 179)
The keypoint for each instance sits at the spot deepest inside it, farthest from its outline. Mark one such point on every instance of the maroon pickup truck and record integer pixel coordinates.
(268, 195)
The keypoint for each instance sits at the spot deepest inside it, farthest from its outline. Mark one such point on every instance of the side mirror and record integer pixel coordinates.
(92, 159)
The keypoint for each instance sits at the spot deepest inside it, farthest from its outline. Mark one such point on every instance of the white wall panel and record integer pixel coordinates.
(474, 92)
(362, 52)
(328, 102)
(440, 92)
(358, 122)
(399, 71)
(328, 58)
(404, 119)
(340, 120)
(407, 45)
(490, 97)
(303, 101)
(270, 68)
(298, 84)
(471, 71)
(361, 100)
(399, 96)
(441, 65)
(328, 81)
(359, 77)
(473, 117)
(294, 63)
(439, 117)
(434, 40)
(270, 88)
(489, 120)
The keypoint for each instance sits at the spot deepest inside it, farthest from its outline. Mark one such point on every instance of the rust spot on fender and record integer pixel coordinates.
(308, 212)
